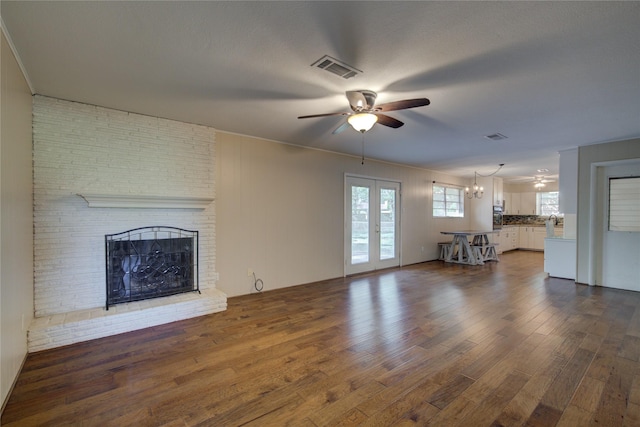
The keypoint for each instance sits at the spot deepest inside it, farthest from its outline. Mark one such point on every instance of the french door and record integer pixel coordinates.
(372, 224)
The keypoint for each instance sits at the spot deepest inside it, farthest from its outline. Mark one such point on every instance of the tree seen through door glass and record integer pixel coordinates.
(387, 223)
(359, 224)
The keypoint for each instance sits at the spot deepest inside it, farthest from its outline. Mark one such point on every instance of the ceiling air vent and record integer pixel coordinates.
(336, 67)
(496, 137)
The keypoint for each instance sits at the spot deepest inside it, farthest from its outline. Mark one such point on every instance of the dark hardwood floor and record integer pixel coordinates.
(429, 344)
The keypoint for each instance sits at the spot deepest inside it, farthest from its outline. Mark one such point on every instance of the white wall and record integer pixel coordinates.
(589, 243)
(281, 212)
(16, 218)
(568, 188)
(568, 181)
(80, 149)
(481, 210)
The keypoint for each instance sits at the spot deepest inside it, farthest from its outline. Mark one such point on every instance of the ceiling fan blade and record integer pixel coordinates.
(403, 105)
(341, 128)
(385, 120)
(323, 115)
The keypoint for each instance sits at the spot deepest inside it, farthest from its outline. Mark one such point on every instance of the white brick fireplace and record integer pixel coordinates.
(152, 172)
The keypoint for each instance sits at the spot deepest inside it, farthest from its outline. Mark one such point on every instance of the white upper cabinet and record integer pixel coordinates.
(498, 193)
(507, 203)
(515, 204)
(528, 203)
(520, 203)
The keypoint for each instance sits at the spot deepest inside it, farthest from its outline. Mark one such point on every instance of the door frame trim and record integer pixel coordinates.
(598, 194)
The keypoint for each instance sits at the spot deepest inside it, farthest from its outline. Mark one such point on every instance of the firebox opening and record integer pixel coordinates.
(150, 262)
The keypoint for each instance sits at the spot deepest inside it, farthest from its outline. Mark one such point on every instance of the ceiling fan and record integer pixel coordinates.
(539, 181)
(365, 114)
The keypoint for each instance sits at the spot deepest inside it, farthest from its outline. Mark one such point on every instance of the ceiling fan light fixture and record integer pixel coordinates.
(362, 122)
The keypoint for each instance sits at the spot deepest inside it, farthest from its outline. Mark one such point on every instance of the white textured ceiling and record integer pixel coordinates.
(549, 75)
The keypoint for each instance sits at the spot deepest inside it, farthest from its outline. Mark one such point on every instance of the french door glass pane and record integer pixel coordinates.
(360, 217)
(387, 223)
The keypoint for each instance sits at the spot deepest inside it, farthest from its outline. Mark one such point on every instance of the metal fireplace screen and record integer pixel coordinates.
(151, 262)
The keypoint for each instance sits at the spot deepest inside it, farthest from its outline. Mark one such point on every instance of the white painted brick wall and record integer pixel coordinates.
(81, 148)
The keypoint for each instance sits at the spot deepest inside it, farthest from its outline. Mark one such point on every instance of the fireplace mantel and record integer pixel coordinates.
(145, 202)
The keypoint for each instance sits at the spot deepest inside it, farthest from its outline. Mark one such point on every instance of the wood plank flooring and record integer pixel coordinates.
(429, 344)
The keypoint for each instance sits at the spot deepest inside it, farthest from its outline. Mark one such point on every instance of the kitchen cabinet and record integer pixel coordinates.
(515, 204)
(509, 238)
(539, 234)
(532, 238)
(528, 203)
(503, 240)
(515, 237)
(560, 257)
(498, 193)
(497, 239)
(520, 203)
(525, 238)
(507, 203)
(506, 239)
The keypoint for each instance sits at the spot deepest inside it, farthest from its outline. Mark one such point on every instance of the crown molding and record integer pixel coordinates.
(3, 27)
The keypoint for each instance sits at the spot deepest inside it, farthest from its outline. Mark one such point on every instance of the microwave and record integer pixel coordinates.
(497, 217)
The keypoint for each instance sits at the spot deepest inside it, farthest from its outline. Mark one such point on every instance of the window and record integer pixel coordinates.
(448, 201)
(547, 203)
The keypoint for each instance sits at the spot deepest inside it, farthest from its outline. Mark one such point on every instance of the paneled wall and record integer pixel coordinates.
(16, 218)
(281, 212)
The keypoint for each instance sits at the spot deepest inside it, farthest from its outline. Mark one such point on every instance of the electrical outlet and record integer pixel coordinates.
(249, 272)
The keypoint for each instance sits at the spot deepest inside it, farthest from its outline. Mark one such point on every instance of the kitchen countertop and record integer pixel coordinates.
(530, 225)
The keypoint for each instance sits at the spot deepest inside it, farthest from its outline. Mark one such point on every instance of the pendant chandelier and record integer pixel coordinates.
(477, 192)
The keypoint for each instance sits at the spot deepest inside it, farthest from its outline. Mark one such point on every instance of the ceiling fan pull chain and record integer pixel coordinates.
(362, 148)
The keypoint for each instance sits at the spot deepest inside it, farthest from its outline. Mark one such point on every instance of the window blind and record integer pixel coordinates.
(624, 204)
